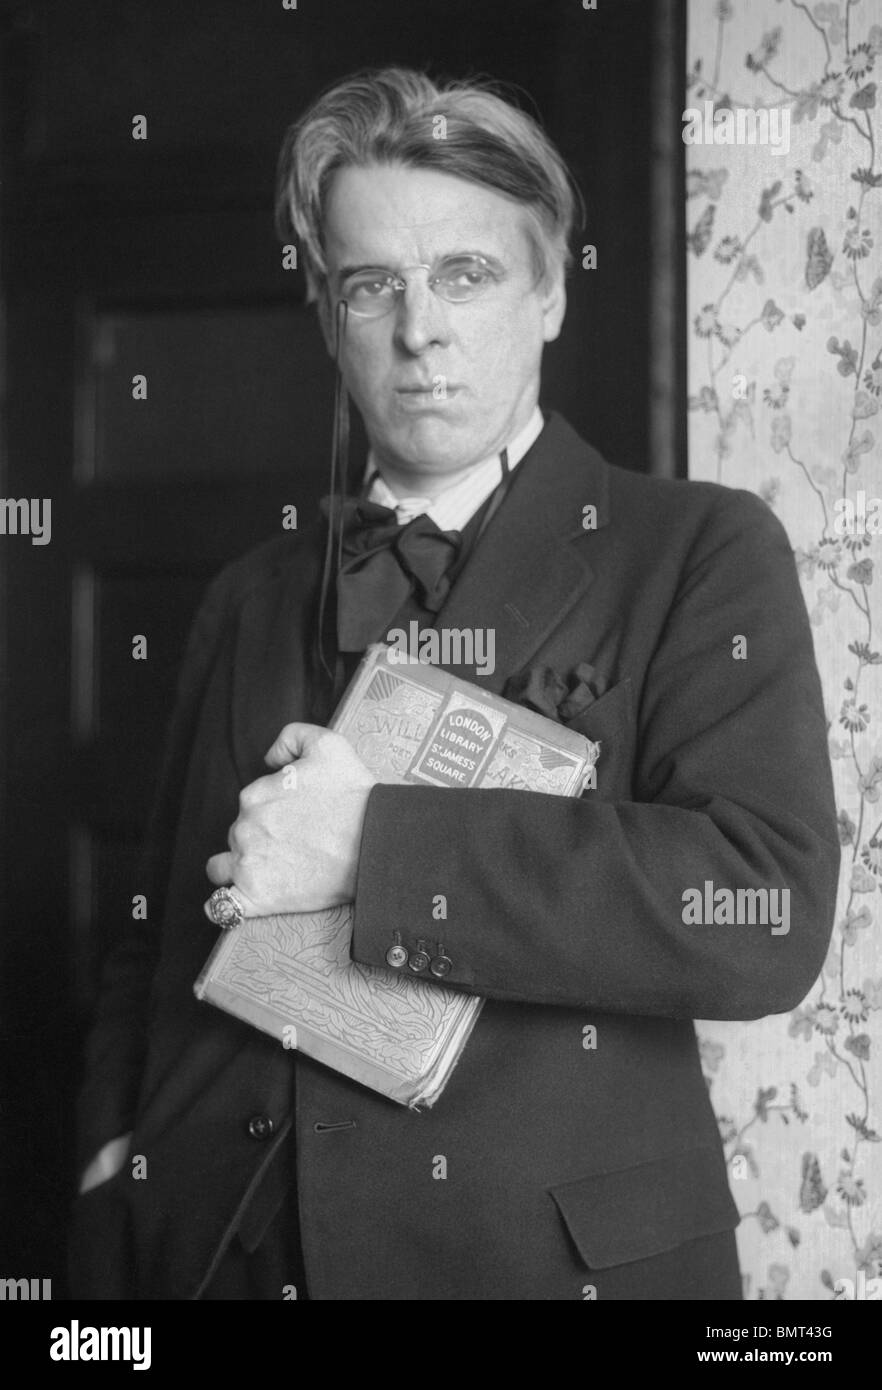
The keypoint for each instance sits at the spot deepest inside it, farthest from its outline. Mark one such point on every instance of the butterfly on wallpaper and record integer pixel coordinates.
(812, 1189)
(865, 98)
(776, 396)
(804, 190)
(709, 181)
(819, 258)
(699, 238)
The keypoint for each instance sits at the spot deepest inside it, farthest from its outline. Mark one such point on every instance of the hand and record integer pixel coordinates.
(106, 1163)
(294, 846)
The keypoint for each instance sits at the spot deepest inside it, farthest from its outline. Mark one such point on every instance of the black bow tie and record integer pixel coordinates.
(383, 564)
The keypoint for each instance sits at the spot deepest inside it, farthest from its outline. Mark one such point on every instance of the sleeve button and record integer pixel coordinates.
(418, 960)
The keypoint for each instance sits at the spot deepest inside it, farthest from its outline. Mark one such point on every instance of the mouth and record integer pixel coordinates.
(423, 399)
(423, 392)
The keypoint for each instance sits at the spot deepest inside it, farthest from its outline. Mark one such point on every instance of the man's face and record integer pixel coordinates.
(439, 385)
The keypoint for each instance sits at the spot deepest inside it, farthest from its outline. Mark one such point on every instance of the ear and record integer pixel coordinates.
(554, 304)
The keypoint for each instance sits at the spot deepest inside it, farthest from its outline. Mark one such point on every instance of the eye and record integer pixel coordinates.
(368, 289)
(464, 278)
(468, 277)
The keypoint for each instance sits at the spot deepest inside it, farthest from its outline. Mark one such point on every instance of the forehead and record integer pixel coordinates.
(388, 214)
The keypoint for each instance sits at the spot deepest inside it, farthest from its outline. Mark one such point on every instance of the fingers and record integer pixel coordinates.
(220, 869)
(293, 742)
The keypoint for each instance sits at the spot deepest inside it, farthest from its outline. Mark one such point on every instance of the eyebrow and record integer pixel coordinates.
(493, 262)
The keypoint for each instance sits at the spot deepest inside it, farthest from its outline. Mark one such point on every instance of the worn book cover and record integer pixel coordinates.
(292, 975)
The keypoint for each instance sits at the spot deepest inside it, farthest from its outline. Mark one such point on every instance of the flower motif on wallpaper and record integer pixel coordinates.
(841, 281)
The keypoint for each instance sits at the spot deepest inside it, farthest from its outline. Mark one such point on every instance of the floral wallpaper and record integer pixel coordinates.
(784, 252)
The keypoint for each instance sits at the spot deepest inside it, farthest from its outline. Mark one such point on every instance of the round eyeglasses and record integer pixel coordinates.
(369, 294)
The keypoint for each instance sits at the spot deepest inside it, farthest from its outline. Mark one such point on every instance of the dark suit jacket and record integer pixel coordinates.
(567, 1168)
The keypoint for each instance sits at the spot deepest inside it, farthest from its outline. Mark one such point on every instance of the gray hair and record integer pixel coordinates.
(390, 116)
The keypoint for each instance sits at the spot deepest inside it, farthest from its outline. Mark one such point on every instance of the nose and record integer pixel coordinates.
(421, 318)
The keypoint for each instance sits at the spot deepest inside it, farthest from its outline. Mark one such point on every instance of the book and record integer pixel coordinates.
(291, 975)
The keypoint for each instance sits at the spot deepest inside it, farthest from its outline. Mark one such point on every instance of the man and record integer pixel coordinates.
(581, 1155)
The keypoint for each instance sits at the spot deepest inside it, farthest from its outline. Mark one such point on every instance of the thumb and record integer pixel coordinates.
(293, 742)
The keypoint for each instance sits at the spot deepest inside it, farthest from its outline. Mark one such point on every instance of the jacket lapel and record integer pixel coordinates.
(526, 573)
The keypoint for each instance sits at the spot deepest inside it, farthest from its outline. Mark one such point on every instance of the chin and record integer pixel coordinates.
(431, 444)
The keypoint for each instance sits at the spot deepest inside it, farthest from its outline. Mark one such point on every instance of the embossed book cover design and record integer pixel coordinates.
(292, 975)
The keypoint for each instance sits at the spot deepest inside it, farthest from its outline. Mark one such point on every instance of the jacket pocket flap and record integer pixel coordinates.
(635, 1213)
